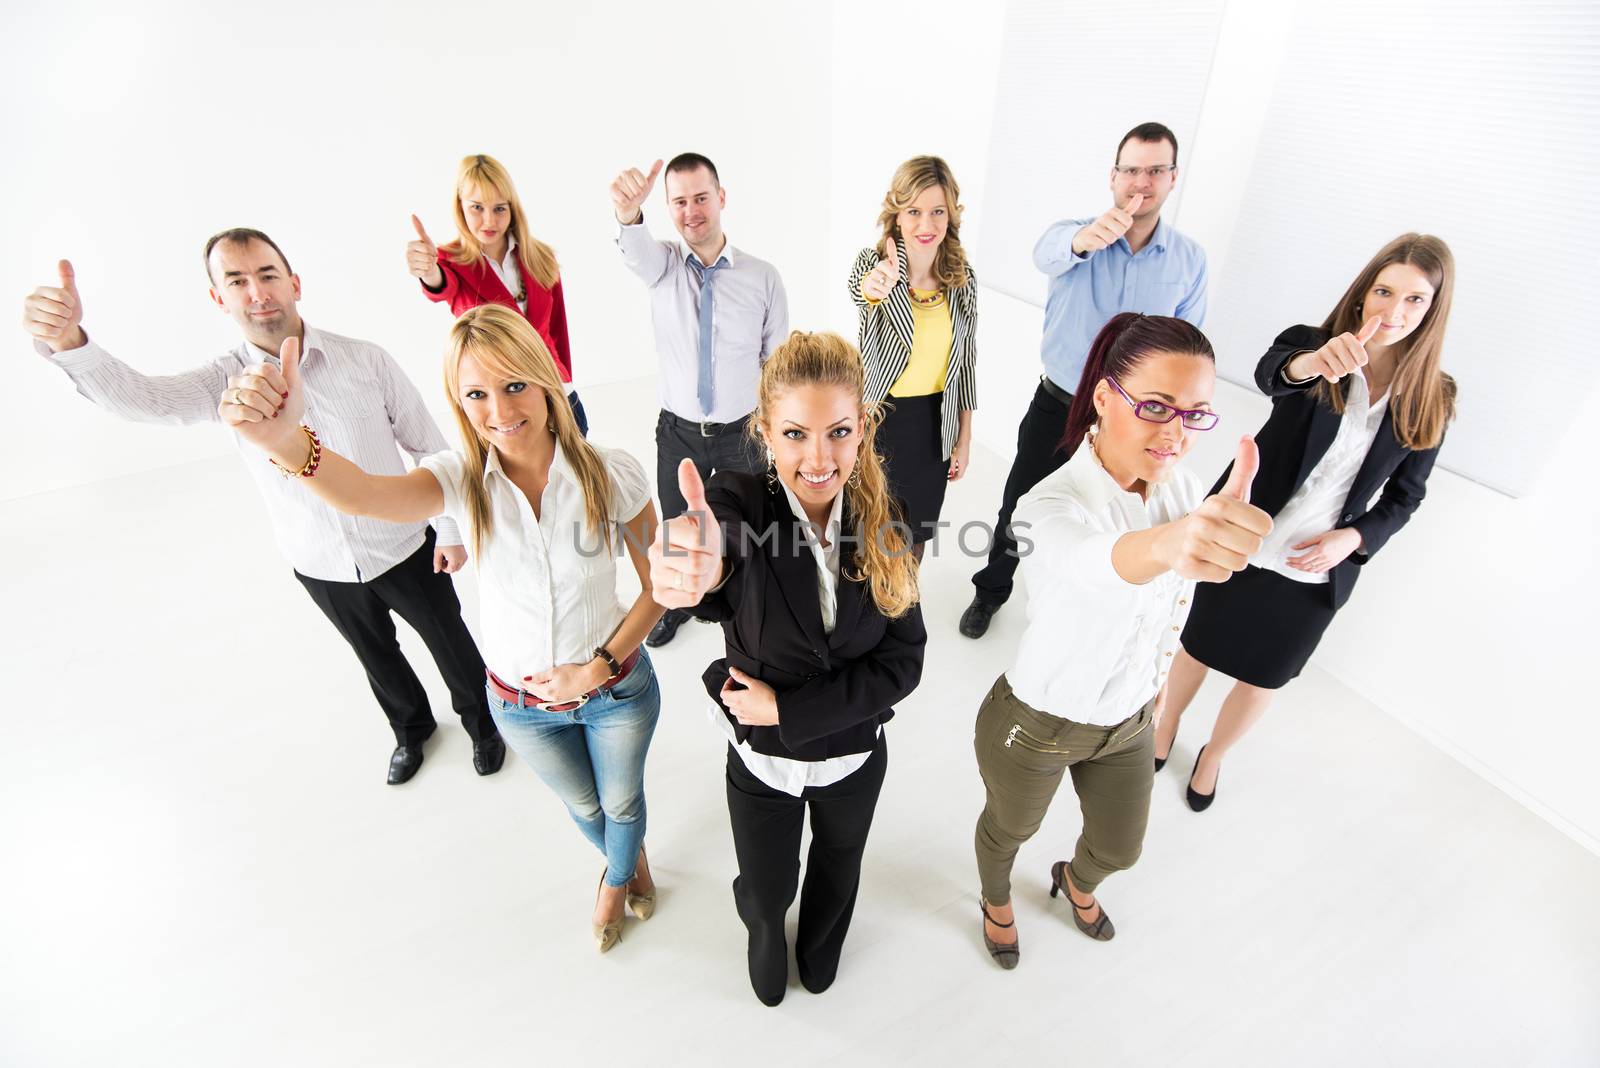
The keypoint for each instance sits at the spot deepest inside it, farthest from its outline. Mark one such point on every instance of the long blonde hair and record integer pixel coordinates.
(490, 179)
(910, 179)
(1423, 397)
(506, 346)
(883, 548)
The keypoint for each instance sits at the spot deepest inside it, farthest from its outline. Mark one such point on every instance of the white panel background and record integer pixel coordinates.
(1073, 79)
(1478, 125)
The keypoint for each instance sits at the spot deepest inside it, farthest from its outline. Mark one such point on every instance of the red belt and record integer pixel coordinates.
(527, 699)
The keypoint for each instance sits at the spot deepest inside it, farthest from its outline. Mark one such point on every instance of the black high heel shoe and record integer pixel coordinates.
(1100, 930)
(1197, 801)
(1005, 954)
(1161, 762)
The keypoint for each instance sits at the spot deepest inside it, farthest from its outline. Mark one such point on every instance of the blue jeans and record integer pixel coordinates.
(593, 758)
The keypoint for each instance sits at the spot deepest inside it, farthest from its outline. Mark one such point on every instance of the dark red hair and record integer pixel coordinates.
(1126, 341)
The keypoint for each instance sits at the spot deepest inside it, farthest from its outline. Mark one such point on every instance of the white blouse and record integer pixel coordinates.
(1097, 646)
(782, 773)
(1316, 506)
(548, 585)
(510, 273)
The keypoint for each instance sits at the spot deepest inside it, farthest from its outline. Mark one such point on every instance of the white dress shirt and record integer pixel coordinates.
(782, 773)
(749, 318)
(1316, 506)
(1097, 647)
(357, 400)
(548, 586)
(509, 271)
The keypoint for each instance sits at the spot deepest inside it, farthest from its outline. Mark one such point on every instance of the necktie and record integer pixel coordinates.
(707, 277)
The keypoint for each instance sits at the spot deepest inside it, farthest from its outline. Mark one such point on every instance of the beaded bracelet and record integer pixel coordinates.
(311, 463)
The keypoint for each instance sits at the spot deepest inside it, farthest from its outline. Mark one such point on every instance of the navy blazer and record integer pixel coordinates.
(834, 690)
(1296, 436)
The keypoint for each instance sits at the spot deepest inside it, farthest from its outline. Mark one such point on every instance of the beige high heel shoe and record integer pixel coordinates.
(643, 905)
(609, 934)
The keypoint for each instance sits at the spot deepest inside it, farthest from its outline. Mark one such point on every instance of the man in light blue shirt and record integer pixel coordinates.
(1128, 259)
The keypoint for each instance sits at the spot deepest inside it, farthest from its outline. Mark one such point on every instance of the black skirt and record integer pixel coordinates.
(911, 442)
(1257, 627)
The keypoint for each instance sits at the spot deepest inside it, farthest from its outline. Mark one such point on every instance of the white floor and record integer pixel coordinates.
(200, 863)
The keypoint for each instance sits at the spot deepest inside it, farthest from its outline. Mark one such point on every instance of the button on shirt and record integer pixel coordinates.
(1097, 647)
(750, 318)
(548, 583)
(357, 399)
(1166, 277)
(1318, 504)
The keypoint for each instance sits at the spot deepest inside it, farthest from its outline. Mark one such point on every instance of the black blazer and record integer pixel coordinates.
(833, 690)
(1298, 433)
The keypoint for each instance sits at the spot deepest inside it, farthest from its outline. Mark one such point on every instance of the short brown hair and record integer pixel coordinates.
(242, 235)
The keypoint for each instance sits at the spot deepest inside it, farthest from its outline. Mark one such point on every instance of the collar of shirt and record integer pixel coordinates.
(825, 557)
(311, 343)
(559, 467)
(728, 253)
(1097, 489)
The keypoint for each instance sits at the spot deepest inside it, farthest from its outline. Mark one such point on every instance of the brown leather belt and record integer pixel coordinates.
(527, 699)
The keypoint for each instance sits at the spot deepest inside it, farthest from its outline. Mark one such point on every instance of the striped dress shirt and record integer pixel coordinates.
(357, 399)
(885, 341)
(749, 318)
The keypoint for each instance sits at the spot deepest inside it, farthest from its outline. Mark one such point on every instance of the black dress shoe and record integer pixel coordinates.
(404, 762)
(975, 620)
(488, 754)
(1198, 801)
(666, 627)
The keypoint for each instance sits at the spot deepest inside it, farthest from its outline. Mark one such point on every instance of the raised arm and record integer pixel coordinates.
(53, 315)
(644, 255)
(266, 407)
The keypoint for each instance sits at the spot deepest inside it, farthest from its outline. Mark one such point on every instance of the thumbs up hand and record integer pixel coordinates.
(265, 406)
(52, 313)
(1107, 228)
(422, 257)
(876, 283)
(629, 190)
(1219, 537)
(686, 555)
(1339, 357)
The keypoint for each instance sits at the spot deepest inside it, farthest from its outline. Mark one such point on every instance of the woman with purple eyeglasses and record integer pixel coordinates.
(1112, 545)
(1359, 410)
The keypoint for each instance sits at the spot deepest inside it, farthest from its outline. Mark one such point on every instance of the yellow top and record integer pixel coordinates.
(931, 338)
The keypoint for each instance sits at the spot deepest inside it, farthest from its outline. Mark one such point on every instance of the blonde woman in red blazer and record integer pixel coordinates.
(495, 260)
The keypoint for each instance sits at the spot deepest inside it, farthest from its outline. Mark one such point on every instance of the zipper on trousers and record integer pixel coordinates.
(1027, 741)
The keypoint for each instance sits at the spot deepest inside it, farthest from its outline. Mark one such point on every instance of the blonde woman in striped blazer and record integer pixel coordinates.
(918, 304)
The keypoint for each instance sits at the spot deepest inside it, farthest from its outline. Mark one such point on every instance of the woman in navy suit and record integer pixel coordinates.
(811, 576)
(1359, 408)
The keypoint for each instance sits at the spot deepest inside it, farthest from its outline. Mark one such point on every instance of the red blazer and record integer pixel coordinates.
(466, 287)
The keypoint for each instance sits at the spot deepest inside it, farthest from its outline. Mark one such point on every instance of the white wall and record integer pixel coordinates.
(133, 135)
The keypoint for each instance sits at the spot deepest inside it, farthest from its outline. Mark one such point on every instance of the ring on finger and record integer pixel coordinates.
(677, 580)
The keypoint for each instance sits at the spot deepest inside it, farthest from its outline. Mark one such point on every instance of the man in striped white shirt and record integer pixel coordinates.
(357, 570)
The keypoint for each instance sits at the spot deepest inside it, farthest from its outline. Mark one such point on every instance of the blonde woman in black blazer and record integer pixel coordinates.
(918, 305)
(817, 596)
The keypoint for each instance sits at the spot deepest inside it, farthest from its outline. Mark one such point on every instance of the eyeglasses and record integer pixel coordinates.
(1156, 412)
(1159, 171)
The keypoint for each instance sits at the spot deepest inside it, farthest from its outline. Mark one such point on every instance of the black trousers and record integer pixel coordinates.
(1038, 436)
(766, 837)
(728, 448)
(359, 611)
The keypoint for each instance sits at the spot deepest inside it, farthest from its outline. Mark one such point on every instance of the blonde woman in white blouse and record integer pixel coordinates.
(1113, 543)
(568, 685)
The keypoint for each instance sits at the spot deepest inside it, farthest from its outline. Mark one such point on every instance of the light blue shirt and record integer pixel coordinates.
(1166, 277)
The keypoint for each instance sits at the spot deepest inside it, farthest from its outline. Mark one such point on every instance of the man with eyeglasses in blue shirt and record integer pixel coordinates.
(1127, 259)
